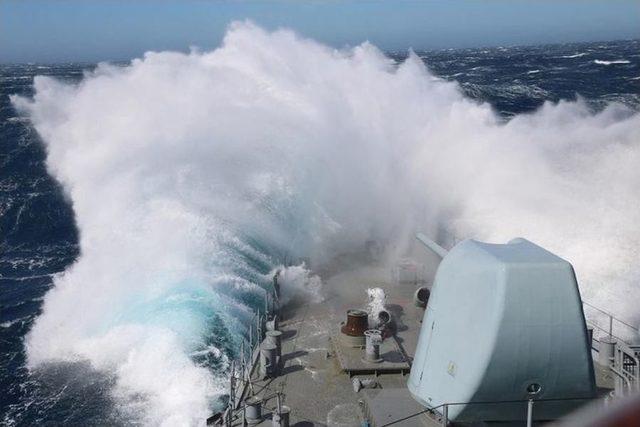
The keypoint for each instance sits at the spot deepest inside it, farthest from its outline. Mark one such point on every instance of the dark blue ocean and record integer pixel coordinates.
(38, 237)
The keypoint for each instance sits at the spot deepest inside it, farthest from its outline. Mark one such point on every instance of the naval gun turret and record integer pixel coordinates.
(504, 324)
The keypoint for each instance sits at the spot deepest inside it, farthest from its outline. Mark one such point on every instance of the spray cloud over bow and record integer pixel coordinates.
(194, 175)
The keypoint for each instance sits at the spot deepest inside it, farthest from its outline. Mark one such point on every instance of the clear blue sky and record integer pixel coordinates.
(91, 30)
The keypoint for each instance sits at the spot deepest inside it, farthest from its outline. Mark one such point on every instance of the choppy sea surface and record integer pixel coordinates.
(38, 237)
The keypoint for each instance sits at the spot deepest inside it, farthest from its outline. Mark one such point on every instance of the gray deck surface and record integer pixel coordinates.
(351, 360)
(312, 379)
(394, 406)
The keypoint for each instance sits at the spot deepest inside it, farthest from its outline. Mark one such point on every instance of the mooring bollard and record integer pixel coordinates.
(268, 360)
(253, 410)
(606, 351)
(372, 348)
(275, 338)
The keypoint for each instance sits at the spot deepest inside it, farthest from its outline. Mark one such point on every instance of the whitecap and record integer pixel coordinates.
(618, 61)
(577, 55)
(9, 323)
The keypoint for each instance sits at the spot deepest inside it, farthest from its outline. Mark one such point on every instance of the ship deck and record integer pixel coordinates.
(315, 379)
(316, 376)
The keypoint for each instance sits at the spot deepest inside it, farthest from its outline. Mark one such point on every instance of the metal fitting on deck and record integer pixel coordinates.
(268, 360)
(281, 419)
(384, 317)
(372, 349)
(275, 337)
(607, 351)
(272, 323)
(253, 410)
(360, 383)
(421, 297)
(357, 323)
(353, 331)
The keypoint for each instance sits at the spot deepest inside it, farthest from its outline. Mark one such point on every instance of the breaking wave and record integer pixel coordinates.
(193, 176)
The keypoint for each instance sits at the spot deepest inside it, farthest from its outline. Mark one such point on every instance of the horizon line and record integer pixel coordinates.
(345, 46)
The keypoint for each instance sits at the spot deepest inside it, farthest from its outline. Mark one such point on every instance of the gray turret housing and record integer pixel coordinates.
(504, 322)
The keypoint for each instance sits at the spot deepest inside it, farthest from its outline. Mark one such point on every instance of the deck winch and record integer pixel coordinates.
(352, 332)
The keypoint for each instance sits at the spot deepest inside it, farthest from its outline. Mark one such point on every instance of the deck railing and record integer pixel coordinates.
(614, 327)
(246, 361)
(625, 366)
(442, 411)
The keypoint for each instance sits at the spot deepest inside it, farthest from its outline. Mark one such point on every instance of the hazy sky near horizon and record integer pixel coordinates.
(93, 30)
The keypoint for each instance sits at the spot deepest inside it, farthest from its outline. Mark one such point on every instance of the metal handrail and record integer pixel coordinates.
(611, 319)
(623, 376)
(630, 329)
(444, 406)
(247, 366)
(635, 328)
(627, 367)
(606, 331)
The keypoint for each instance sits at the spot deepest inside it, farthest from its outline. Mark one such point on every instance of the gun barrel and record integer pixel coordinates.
(431, 245)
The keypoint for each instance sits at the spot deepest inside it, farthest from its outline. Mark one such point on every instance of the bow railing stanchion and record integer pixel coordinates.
(276, 286)
(242, 358)
(232, 386)
(248, 368)
(228, 418)
(258, 328)
(266, 303)
(241, 366)
(610, 326)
